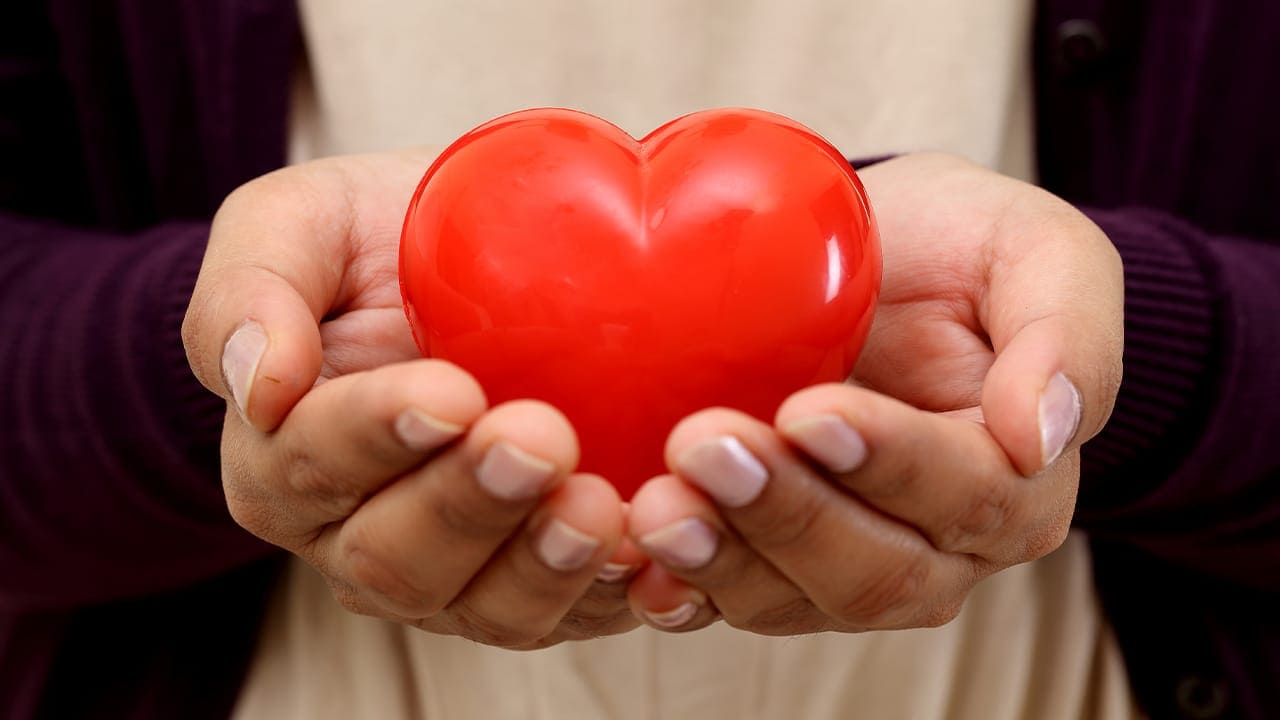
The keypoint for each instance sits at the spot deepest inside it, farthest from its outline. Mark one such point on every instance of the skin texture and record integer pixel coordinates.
(992, 288)
(312, 460)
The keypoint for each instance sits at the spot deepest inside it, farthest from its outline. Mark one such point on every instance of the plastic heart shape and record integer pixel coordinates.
(729, 258)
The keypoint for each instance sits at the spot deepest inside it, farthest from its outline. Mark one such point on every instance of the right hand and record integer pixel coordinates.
(388, 473)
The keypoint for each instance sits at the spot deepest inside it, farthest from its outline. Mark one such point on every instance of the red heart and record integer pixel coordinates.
(727, 259)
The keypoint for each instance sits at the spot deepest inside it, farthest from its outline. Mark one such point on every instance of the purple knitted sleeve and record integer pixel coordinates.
(1188, 468)
(109, 485)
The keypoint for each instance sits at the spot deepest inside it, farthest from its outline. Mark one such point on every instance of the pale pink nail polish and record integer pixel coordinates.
(420, 432)
(1059, 417)
(613, 572)
(509, 473)
(725, 469)
(674, 617)
(565, 548)
(240, 359)
(685, 544)
(829, 440)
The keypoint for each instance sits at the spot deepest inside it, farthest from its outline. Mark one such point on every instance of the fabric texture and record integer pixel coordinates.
(394, 73)
(123, 121)
(1030, 643)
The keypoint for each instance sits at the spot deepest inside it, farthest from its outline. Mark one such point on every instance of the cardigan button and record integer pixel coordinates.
(1201, 698)
(1080, 47)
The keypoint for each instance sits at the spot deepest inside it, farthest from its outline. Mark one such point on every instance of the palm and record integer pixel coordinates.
(365, 326)
(928, 345)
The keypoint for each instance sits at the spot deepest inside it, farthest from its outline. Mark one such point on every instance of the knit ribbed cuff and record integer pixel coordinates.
(1171, 311)
(197, 413)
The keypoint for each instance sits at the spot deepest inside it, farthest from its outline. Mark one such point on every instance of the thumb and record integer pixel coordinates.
(256, 344)
(273, 268)
(1058, 338)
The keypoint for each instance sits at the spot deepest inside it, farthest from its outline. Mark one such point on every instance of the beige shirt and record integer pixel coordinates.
(1030, 644)
(872, 76)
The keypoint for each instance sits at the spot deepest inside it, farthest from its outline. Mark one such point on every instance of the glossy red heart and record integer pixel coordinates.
(729, 258)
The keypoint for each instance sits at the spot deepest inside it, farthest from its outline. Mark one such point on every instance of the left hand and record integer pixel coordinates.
(391, 475)
(996, 352)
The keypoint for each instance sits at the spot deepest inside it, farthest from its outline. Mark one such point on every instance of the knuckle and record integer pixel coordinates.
(1046, 539)
(245, 502)
(885, 596)
(541, 643)
(783, 527)
(369, 570)
(900, 473)
(459, 517)
(480, 628)
(942, 613)
(308, 477)
(984, 513)
(795, 617)
(349, 599)
(896, 481)
(249, 515)
(587, 626)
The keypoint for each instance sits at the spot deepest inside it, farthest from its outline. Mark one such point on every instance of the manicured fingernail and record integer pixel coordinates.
(674, 617)
(420, 432)
(1059, 417)
(240, 358)
(565, 548)
(613, 572)
(686, 544)
(829, 440)
(726, 469)
(509, 473)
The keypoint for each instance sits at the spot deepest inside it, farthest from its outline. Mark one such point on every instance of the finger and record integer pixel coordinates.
(342, 442)
(945, 476)
(526, 590)
(858, 566)
(1053, 312)
(667, 603)
(626, 560)
(365, 339)
(600, 612)
(418, 541)
(260, 350)
(682, 530)
(272, 270)
(603, 609)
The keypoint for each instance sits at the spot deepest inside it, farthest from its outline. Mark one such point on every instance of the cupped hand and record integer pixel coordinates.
(953, 454)
(388, 473)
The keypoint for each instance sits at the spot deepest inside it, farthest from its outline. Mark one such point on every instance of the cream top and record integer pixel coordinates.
(872, 76)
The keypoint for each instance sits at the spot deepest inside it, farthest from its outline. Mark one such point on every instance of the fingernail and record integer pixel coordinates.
(726, 469)
(240, 358)
(675, 617)
(613, 572)
(509, 473)
(420, 432)
(829, 440)
(1059, 417)
(565, 548)
(686, 544)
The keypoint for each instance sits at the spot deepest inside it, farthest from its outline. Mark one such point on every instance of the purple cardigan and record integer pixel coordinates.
(127, 591)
